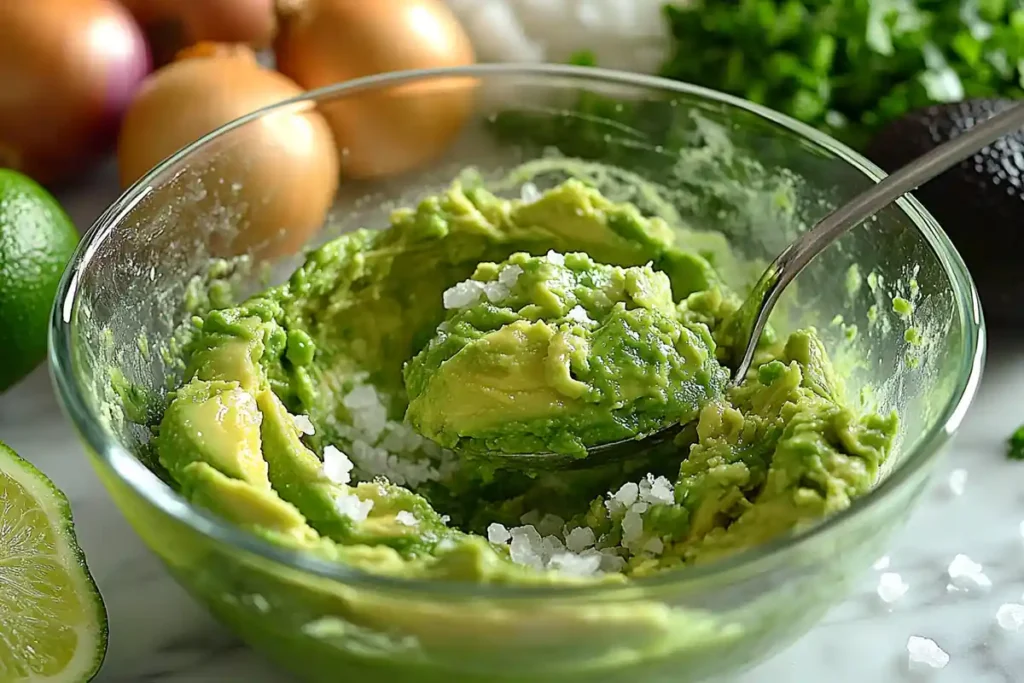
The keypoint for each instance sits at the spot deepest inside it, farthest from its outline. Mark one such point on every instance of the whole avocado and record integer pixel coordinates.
(979, 203)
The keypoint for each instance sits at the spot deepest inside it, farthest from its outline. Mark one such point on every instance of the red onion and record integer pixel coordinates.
(68, 70)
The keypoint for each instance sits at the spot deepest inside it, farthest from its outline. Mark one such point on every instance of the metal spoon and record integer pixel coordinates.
(753, 314)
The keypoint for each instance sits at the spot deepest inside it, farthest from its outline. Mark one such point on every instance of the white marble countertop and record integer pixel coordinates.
(158, 634)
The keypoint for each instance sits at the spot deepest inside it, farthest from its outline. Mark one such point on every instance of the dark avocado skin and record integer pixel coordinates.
(980, 202)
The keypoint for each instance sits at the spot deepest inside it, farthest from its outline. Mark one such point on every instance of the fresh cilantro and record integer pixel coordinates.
(850, 67)
(1016, 445)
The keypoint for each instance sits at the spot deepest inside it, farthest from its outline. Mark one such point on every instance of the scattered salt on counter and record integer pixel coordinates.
(891, 587)
(1010, 616)
(925, 651)
(958, 481)
(965, 573)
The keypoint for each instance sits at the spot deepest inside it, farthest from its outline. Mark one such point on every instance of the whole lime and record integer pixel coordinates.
(37, 239)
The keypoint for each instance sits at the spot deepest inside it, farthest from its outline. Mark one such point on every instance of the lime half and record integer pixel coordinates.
(53, 625)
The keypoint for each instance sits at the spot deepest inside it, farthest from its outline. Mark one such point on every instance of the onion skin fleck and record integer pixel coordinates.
(278, 174)
(68, 69)
(383, 132)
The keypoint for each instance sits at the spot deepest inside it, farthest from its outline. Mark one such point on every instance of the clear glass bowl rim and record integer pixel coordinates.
(156, 493)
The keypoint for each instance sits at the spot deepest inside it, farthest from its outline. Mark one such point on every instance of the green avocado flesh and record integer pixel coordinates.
(558, 353)
(341, 412)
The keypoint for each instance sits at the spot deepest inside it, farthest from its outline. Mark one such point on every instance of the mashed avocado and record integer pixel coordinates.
(556, 353)
(319, 414)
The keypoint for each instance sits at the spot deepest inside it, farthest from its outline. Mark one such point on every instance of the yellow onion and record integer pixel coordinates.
(383, 132)
(276, 176)
(173, 25)
(68, 68)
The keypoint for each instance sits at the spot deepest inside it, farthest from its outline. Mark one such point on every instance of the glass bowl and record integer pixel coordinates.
(720, 166)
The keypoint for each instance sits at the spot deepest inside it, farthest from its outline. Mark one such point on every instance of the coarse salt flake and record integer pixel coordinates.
(654, 546)
(406, 518)
(927, 652)
(462, 294)
(661, 492)
(352, 506)
(958, 481)
(881, 563)
(627, 494)
(336, 466)
(555, 258)
(580, 538)
(303, 424)
(497, 533)
(1010, 616)
(965, 573)
(575, 565)
(891, 587)
(509, 275)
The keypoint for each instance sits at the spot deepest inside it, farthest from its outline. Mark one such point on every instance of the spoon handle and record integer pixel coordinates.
(797, 255)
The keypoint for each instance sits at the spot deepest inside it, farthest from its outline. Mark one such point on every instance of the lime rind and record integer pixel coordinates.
(90, 621)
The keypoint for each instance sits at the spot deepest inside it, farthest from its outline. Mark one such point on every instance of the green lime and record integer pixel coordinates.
(37, 240)
(53, 625)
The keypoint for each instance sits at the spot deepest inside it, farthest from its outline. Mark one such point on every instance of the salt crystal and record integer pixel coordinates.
(406, 518)
(551, 546)
(555, 258)
(891, 587)
(336, 466)
(926, 651)
(1010, 616)
(661, 492)
(495, 291)
(957, 481)
(445, 519)
(529, 193)
(627, 494)
(632, 528)
(369, 416)
(639, 507)
(575, 565)
(497, 533)
(881, 563)
(463, 294)
(578, 314)
(303, 424)
(525, 548)
(509, 275)
(579, 539)
(964, 572)
(611, 562)
(352, 506)
(654, 546)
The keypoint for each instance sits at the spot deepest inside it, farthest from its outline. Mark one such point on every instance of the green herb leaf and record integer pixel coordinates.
(1016, 449)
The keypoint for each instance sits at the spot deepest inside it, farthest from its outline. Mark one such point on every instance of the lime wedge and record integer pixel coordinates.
(53, 625)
